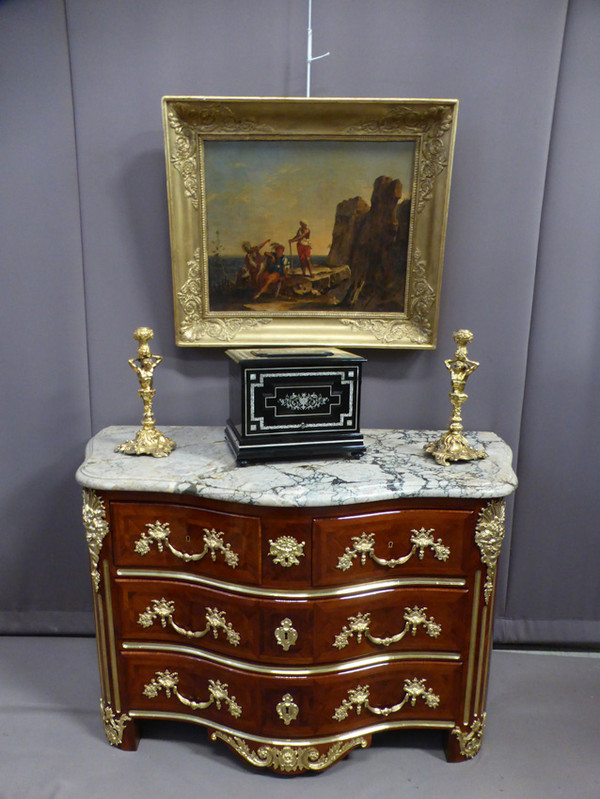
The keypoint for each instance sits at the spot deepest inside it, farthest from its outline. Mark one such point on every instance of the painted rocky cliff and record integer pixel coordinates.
(373, 242)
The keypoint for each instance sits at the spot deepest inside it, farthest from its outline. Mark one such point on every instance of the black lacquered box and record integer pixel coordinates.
(289, 403)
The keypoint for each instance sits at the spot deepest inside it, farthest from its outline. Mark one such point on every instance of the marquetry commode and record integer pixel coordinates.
(294, 609)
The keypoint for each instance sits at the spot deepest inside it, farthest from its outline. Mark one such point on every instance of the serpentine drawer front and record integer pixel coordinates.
(284, 631)
(293, 610)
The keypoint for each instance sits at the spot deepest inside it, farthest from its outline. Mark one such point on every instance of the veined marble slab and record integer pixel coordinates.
(394, 466)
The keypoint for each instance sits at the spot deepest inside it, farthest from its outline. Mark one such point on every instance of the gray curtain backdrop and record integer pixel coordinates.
(84, 253)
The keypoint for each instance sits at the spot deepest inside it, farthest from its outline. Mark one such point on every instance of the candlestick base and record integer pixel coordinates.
(148, 441)
(453, 447)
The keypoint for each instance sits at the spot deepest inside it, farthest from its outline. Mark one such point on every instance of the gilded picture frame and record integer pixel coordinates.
(307, 222)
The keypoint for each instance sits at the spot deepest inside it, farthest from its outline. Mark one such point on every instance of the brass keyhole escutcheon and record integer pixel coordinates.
(285, 635)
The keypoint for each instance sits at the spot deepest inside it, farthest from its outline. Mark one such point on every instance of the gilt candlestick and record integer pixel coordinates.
(148, 440)
(453, 446)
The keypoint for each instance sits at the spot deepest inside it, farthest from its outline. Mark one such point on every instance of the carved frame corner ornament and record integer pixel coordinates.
(194, 325)
(192, 126)
(431, 125)
(469, 741)
(113, 727)
(290, 759)
(96, 529)
(489, 535)
(185, 156)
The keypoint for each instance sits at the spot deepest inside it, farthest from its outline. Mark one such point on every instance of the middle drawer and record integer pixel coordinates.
(318, 629)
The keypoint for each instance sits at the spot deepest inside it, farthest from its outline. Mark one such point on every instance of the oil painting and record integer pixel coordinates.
(307, 222)
(308, 225)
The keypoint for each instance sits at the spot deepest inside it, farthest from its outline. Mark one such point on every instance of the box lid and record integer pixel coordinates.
(291, 355)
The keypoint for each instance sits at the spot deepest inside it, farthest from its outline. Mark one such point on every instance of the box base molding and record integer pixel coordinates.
(298, 445)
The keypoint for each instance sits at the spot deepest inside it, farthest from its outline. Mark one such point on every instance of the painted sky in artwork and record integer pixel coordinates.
(257, 190)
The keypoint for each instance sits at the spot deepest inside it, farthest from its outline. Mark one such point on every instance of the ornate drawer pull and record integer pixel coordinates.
(168, 680)
(365, 544)
(359, 697)
(158, 533)
(164, 610)
(360, 624)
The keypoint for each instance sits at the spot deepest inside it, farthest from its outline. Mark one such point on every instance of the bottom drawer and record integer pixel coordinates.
(269, 702)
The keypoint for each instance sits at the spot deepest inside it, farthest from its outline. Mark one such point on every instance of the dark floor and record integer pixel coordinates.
(542, 740)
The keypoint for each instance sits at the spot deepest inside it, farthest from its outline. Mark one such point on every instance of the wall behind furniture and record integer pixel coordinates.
(85, 257)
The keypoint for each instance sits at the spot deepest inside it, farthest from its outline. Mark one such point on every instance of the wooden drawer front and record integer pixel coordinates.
(399, 543)
(335, 630)
(221, 545)
(163, 610)
(389, 694)
(181, 684)
(330, 703)
(293, 706)
(293, 632)
(430, 620)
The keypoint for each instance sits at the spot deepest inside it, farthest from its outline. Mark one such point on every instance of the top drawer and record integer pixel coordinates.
(224, 546)
(397, 543)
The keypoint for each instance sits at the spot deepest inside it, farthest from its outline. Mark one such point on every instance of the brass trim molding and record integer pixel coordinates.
(113, 727)
(102, 648)
(365, 545)
(218, 693)
(472, 647)
(286, 550)
(290, 758)
(360, 625)
(96, 529)
(368, 729)
(309, 593)
(291, 671)
(164, 609)
(358, 698)
(489, 534)
(159, 532)
(470, 742)
(112, 644)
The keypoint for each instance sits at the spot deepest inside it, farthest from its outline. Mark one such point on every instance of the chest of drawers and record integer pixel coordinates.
(294, 609)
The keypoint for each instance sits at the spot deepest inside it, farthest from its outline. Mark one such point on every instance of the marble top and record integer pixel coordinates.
(394, 466)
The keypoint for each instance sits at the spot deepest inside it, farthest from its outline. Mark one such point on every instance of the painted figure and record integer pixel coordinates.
(302, 239)
(253, 262)
(274, 270)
